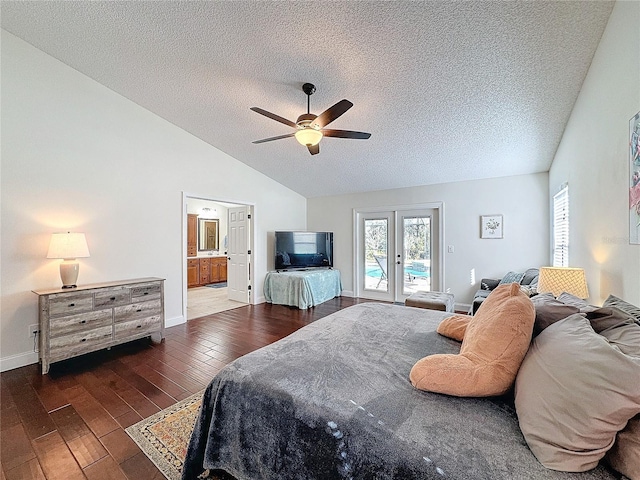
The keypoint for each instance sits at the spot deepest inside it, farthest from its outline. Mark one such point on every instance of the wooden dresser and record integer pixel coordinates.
(91, 317)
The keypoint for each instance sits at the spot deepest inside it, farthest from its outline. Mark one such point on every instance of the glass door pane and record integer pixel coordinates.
(416, 254)
(376, 258)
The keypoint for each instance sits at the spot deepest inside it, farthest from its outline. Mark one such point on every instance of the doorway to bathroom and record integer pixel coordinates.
(217, 239)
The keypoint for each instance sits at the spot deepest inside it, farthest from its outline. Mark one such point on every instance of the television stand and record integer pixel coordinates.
(302, 288)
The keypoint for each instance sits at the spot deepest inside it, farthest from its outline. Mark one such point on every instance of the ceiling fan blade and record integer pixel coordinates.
(314, 149)
(270, 139)
(331, 113)
(345, 134)
(273, 116)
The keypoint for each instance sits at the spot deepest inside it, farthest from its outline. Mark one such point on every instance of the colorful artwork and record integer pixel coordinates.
(634, 179)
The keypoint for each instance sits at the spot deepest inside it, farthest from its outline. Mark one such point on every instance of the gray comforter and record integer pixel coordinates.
(333, 401)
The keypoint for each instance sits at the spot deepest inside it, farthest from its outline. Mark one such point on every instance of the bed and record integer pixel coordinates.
(333, 401)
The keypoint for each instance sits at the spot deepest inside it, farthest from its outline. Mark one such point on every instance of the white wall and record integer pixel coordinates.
(77, 156)
(593, 157)
(521, 199)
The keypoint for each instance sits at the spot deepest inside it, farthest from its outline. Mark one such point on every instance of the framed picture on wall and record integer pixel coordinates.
(491, 226)
(634, 180)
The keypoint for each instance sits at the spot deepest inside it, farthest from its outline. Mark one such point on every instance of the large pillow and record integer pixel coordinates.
(495, 342)
(613, 301)
(454, 327)
(624, 457)
(549, 310)
(575, 390)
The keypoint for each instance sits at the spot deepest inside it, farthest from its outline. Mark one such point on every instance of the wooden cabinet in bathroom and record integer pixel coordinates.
(193, 272)
(192, 235)
(218, 269)
(205, 270)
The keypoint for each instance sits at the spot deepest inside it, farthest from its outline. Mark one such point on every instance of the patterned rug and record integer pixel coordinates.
(164, 437)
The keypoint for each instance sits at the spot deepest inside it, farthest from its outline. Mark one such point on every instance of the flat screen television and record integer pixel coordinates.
(295, 250)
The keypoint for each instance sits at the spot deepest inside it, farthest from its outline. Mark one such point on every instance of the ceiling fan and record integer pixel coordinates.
(309, 127)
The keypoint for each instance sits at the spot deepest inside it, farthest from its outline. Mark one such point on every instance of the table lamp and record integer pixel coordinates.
(556, 280)
(68, 246)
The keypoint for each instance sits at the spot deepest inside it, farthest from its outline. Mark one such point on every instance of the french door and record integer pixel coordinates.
(398, 252)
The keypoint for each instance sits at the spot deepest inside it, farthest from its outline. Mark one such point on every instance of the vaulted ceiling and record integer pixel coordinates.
(449, 90)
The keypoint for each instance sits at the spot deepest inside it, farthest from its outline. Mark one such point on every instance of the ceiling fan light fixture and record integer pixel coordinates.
(308, 136)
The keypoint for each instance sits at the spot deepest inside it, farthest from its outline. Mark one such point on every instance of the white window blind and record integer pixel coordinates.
(561, 227)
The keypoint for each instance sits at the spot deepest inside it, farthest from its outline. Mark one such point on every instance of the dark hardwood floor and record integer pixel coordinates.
(70, 423)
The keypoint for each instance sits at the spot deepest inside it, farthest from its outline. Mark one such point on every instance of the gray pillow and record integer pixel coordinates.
(549, 310)
(575, 390)
(530, 277)
(569, 299)
(613, 301)
(512, 277)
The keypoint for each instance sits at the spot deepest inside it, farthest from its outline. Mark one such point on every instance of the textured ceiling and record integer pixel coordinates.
(450, 91)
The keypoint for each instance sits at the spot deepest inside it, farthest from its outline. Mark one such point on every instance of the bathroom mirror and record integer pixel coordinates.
(207, 234)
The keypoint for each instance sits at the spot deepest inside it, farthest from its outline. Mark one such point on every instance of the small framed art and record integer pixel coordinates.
(491, 226)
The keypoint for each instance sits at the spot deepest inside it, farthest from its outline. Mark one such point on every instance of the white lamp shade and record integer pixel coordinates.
(68, 245)
(556, 280)
(308, 136)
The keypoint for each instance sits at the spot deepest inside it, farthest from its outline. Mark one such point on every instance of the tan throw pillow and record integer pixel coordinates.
(494, 344)
(454, 327)
(624, 457)
(575, 390)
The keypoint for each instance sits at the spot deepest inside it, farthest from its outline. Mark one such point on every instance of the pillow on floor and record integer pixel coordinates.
(454, 327)
(494, 344)
(575, 390)
(624, 457)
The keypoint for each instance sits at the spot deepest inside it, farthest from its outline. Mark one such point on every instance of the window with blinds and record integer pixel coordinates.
(561, 227)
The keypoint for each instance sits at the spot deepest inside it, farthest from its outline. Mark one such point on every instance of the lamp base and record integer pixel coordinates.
(69, 269)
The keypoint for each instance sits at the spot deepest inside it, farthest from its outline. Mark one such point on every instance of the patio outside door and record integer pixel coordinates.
(398, 253)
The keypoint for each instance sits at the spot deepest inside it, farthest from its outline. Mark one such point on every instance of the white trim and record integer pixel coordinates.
(18, 360)
(172, 322)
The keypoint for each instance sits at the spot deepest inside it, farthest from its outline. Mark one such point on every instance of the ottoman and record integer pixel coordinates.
(432, 300)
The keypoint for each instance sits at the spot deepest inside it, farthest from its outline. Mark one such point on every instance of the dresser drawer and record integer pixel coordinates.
(137, 310)
(139, 327)
(70, 303)
(79, 322)
(110, 297)
(74, 344)
(146, 292)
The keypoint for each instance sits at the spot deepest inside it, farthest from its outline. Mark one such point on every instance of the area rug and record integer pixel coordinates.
(217, 285)
(164, 437)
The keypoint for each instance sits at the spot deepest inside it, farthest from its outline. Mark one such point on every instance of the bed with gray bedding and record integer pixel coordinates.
(333, 401)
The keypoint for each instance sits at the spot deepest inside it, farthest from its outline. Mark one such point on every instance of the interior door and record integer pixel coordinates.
(239, 259)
